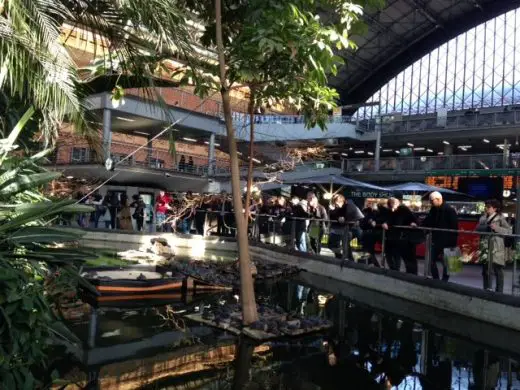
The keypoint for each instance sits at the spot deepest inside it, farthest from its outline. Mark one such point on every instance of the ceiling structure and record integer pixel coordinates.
(401, 33)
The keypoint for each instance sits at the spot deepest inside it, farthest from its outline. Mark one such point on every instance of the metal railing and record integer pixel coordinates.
(154, 158)
(420, 123)
(457, 120)
(289, 231)
(429, 163)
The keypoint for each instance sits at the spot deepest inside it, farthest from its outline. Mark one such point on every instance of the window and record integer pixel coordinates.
(80, 155)
(156, 163)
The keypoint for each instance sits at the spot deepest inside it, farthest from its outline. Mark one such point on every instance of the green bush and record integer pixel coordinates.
(32, 255)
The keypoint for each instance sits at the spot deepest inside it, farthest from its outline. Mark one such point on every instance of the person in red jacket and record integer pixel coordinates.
(162, 206)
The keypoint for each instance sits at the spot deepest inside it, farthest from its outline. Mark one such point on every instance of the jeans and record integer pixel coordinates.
(185, 225)
(498, 270)
(160, 221)
(301, 241)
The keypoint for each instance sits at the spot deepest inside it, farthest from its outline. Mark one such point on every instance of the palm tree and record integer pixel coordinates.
(37, 69)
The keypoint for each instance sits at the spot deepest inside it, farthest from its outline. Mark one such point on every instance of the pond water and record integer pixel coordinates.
(367, 348)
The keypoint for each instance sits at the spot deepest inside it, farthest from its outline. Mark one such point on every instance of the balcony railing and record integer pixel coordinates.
(427, 164)
(462, 120)
(454, 120)
(154, 158)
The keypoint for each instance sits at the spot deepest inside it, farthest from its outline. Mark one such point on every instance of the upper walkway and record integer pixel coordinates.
(501, 120)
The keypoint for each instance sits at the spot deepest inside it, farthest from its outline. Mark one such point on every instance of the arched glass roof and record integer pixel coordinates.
(406, 30)
(474, 70)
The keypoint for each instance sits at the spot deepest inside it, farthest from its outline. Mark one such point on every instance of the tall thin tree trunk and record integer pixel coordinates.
(251, 110)
(247, 292)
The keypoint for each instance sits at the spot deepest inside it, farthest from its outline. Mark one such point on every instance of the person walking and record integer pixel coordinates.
(402, 243)
(441, 216)
(493, 222)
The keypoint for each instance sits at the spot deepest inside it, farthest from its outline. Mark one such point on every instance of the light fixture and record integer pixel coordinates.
(122, 118)
(359, 151)
(189, 139)
(441, 153)
(344, 154)
(207, 143)
(333, 153)
(445, 142)
(239, 153)
(387, 150)
(410, 144)
(256, 161)
(464, 147)
(141, 133)
(327, 196)
(397, 152)
(370, 153)
(70, 177)
(486, 141)
(506, 193)
(500, 146)
(429, 150)
(418, 149)
(351, 149)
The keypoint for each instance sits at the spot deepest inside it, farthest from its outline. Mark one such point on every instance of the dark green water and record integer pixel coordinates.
(371, 346)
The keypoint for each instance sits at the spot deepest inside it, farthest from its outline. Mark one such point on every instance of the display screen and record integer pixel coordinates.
(482, 188)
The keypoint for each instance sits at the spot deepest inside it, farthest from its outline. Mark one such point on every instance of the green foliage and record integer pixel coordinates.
(283, 50)
(32, 267)
(36, 68)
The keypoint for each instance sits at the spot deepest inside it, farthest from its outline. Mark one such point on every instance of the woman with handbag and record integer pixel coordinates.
(493, 222)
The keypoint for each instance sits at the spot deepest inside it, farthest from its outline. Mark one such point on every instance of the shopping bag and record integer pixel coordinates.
(325, 239)
(452, 259)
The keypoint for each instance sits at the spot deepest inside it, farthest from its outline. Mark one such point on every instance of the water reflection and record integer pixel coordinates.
(154, 348)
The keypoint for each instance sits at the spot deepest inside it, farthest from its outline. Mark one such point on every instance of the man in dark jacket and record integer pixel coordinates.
(400, 241)
(441, 216)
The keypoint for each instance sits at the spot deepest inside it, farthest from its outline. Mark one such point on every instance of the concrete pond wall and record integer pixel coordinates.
(185, 245)
(498, 309)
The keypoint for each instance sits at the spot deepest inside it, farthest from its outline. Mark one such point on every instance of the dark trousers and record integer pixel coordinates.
(316, 243)
(438, 255)
(113, 217)
(200, 220)
(369, 240)
(139, 221)
(498, 270)
(396, 250)
(336, 246)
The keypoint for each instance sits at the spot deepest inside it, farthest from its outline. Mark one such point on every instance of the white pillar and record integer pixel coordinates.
(211, 155)
(107, 133)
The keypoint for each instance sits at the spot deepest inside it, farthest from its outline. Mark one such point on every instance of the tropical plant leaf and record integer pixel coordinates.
(24, 182)
(42, 235)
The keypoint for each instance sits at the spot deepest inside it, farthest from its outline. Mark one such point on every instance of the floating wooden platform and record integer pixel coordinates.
(256, 334)
(117, 291)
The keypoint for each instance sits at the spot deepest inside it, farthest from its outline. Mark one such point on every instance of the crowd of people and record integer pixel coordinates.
(308, 224)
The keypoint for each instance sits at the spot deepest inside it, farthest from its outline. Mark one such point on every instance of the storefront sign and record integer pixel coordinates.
(367, 194)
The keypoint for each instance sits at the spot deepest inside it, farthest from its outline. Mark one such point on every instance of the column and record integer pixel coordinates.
(505, 155)
(377, 154)
(149, 152)
(211, 155)
(107, 133)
